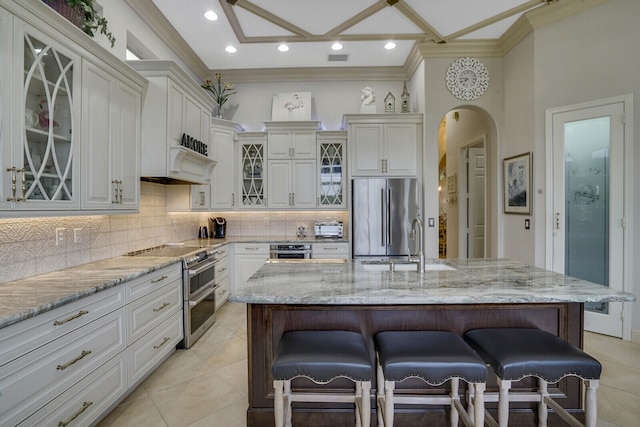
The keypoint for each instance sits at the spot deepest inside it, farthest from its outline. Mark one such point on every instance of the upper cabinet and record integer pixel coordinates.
(291, 140)
(62, 96)
(252, 148)
(223, 135)
(176, 119)
(332, 146)
(384, 144)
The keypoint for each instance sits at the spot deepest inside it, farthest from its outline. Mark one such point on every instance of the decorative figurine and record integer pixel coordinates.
(405, 99)
(390, 103)
(368, 101)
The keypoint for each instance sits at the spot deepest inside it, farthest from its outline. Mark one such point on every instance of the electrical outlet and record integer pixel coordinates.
(432, 222)
(527, 224)
(77, 235)
(60, 236)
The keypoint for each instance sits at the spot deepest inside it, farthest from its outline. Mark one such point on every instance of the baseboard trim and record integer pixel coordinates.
(635, 336)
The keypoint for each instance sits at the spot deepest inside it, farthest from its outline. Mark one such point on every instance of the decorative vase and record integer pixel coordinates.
(75, 15)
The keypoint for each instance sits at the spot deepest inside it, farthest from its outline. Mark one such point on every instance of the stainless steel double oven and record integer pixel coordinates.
(199, 294)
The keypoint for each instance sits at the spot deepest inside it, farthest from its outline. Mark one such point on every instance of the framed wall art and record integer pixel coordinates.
(291, 106)
(517, 184)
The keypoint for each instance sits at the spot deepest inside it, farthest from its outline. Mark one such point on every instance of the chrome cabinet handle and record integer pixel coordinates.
(382, 216)
(162, 307)
(24, 185)
(115, 191)
(69, 319)
(159, 279)
(79, 412)
(557, 220)
(82, 355)
(13, 184)
(164, 341)
(222, 269)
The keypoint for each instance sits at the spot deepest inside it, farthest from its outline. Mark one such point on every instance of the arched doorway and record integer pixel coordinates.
(465, 183)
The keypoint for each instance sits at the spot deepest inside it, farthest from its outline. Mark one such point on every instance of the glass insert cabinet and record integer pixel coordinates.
(331, 181)
(253, 179)
(41, 170)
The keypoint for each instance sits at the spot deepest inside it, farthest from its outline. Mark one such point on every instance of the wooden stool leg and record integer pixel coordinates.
(358, 403)
(380, 393)
(543, 409)
(365, 404)
(455, 394)
(287, 403)
(278, 402)
(389, 386)
(477, 412)
(503, 402)
(591, 407)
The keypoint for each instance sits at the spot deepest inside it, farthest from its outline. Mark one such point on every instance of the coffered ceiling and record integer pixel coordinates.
(310, 27)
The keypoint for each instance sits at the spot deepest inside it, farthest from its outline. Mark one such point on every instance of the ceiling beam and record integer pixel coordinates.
(415, 17)
(232, 18)
(356, 19)
(274, 19)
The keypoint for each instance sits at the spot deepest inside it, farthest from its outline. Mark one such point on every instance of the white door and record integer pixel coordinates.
(588, 204)
(475, 202)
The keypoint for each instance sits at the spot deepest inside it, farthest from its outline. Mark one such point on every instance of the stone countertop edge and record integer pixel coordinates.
(474, 281)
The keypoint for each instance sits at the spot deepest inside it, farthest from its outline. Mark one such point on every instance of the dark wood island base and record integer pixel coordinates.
(267, 322)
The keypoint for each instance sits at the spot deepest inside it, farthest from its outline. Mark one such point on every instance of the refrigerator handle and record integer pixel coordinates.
(389, 231)
(383, 223)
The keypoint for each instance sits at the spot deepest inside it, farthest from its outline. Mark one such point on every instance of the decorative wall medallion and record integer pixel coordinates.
(467, 78)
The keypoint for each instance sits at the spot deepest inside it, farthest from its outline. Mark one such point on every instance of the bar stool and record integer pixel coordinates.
(322, 356)
(515, 353)
(434, 357)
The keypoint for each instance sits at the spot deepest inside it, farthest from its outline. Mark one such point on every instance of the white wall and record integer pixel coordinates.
(586, 57)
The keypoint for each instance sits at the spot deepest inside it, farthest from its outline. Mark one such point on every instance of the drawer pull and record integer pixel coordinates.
(223, 292)
(222, 269)
(251, 249)
(62, 322)
(159, 279)
(162, 307)
(71, 362)
(164, 341)
(79, 412)
(222, 252)
(330, 249)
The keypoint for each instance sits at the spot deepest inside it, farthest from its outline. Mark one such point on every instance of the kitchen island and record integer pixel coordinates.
(457, 296)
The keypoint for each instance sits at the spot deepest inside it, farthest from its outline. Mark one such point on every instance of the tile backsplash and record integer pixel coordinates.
(28, 245)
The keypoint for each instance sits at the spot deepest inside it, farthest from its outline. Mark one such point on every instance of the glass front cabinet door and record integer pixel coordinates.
(331, 152)
(252, 174)
(42, 173)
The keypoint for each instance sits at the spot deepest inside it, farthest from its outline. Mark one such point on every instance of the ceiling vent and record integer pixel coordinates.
(343, 57)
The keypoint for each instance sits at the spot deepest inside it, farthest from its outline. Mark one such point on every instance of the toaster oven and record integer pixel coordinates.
(329, 230)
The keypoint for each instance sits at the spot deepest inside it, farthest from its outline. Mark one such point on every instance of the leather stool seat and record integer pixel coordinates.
(322, 356)
(516, 353)
(435, 357)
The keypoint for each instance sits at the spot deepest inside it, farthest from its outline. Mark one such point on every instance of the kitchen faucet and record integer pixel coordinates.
(417, 223)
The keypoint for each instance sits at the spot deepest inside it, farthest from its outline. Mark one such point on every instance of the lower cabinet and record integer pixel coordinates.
(248, 258)
(222, 276)
(104, 346)
(337, 250)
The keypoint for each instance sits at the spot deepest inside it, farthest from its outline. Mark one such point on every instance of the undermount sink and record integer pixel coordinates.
(402, 266)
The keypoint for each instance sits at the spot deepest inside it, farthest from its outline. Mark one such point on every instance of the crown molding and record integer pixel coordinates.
(255, 75)
(152, 16)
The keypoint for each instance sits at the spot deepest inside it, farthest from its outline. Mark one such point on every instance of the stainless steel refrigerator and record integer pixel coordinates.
(382, 212)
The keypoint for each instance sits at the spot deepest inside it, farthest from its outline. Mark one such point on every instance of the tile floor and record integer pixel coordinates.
(207, 385)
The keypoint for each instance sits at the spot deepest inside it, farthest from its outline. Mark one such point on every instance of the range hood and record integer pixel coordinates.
(176, 126)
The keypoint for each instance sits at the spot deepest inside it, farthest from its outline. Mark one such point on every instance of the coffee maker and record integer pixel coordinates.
(218, 227)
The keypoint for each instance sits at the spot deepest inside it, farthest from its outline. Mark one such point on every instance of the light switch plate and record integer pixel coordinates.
(432, 222)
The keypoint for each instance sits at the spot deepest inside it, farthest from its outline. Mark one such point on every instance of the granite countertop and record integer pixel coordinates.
(473, 281)
(25, 298)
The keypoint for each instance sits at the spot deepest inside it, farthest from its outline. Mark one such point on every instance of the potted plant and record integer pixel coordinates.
(83, 15)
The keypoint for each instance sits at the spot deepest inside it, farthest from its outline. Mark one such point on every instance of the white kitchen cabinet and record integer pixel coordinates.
(39, 122)
(247, 259)
(292, 184)
(188, 198)
(291, 140)
(176, 118)
(252, 170)
(111, 138)
(222, 276)
(384, 145)
(332, 169)
(330, 250)
(223, 135)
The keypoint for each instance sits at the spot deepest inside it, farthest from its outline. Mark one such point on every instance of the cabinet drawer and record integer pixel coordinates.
(146, 313)
(145, 353)
(254, 249)
(222, 251)
(222, 292)
(141, 286)
(331, 250)
(83, 403)
(23, 337)
(36, 378)
(222, 268)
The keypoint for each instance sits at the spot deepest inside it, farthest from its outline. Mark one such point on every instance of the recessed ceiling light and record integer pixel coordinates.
(390, 45)
(211, 15)
(336, 46)
(231, 49)
(283, 47)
